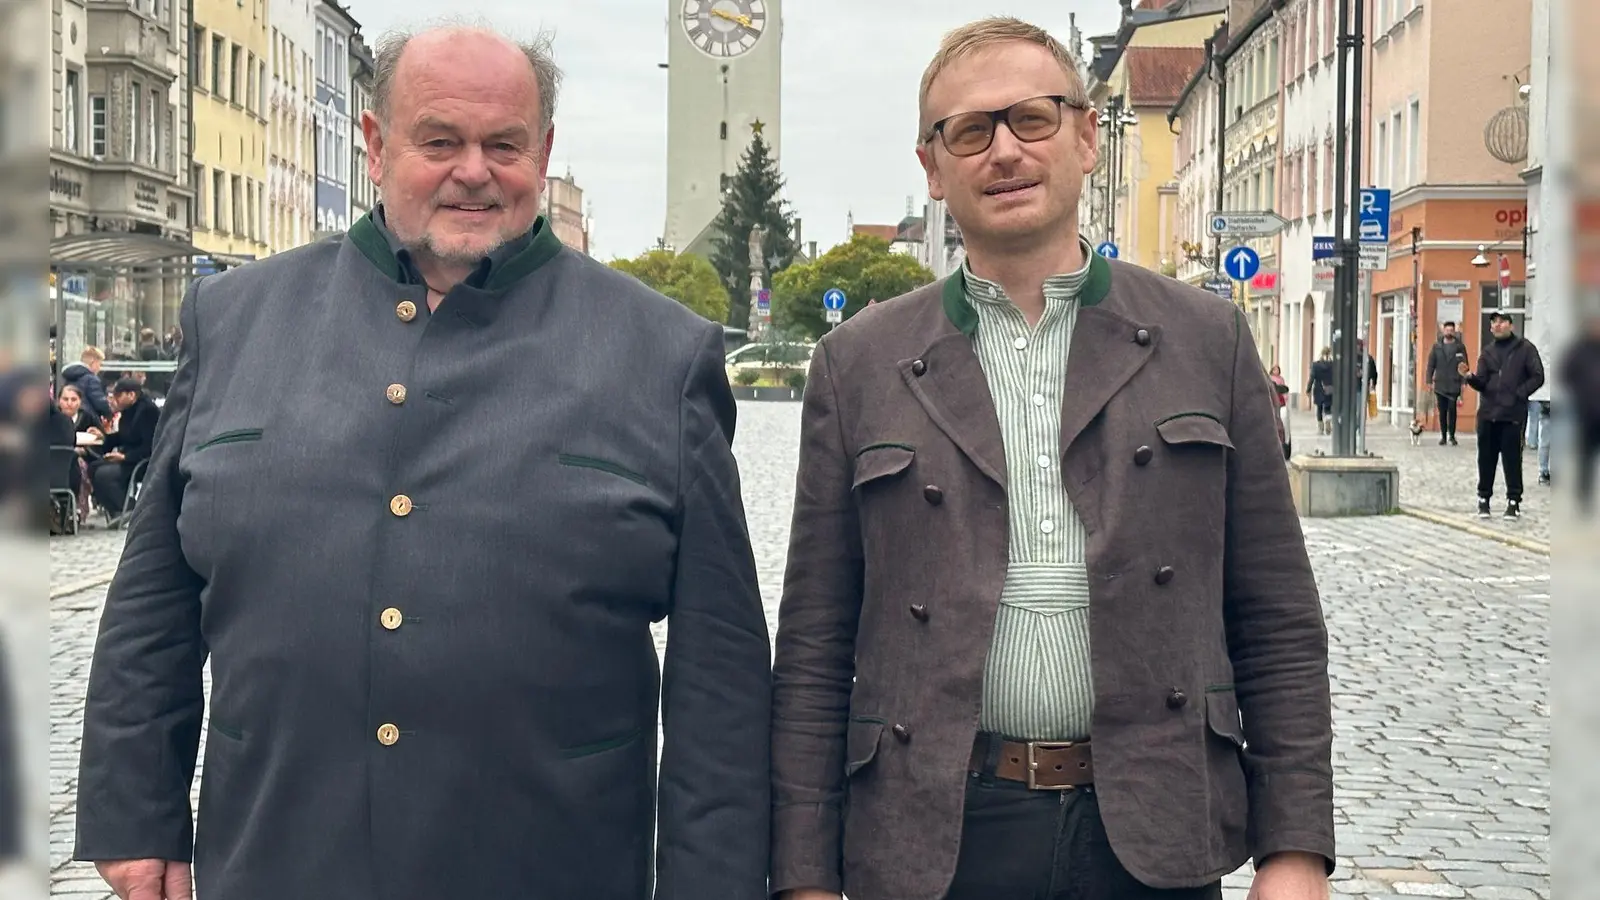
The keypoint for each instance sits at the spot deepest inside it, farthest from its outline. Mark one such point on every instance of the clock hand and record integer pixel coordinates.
(736, 19)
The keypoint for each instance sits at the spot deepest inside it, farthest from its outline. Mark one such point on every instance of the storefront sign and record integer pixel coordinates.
(147, 196)
(1264, 283)
(62, 186)
(1449, 288)
(1509, 222)
(1451, 309)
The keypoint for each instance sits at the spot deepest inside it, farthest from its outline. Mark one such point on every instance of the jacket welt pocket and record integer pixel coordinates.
(600, 465)
(861, 743)
(597, 747)
(1193, 428)
(876, 461)
(1222, 715)
(236, 436)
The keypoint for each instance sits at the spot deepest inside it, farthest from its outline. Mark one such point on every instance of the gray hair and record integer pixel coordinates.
(538, 51)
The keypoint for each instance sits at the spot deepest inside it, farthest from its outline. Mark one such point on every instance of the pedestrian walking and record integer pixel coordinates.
(1444, 380)
(1580, 380)
(421, 520)
(982, 461)
(1320, 387)
(1508, 372)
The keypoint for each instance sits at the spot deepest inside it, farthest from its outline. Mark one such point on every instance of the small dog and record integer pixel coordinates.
(1416, 432)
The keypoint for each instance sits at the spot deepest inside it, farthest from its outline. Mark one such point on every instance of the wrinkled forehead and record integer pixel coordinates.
(994, 77)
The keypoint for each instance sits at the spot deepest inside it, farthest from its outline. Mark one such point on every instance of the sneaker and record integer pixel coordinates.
(1453, 442)
(1443, 441)
(1513, 510)
(1483, 509)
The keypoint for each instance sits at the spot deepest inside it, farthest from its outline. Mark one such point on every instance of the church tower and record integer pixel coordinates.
(725, 74)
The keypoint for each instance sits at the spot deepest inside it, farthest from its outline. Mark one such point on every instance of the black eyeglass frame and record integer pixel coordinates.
(996, 116)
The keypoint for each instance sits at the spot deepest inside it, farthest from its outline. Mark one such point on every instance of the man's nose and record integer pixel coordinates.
(473, 166)
(1006, 146)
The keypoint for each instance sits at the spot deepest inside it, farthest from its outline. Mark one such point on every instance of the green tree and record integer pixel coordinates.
(863, 268)
(684, 277)
(752, 199)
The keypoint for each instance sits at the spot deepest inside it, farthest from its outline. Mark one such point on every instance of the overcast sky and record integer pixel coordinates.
(850, 74)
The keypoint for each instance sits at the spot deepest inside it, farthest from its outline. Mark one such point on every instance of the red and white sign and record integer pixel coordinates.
(1505, 273)
(1264, 282)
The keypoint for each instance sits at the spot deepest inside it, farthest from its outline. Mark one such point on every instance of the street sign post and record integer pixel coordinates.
(1372, 225)
(833, 299)
(1107, 249)
(1241, 263)
(1247, 224)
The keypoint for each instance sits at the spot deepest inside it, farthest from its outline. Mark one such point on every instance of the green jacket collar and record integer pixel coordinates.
(961, 314)
(496, 271)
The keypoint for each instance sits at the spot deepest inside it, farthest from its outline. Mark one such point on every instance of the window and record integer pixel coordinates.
(261, 211)
(1270, 194)
(238, 206)
(261, 88)
(1313, 36)
(234, 59)
(1414, 145)
(250, 82)
(197, 216)
(1273, 63)
(217, 47)
(97, 126)
(219, 192)
(135, 122)
(1330, 26)
(1396, 148)
(1328, 181)
(152, 143)
(1380, 155)
(197, 49)
(277, 50)
(70, 112)
(1313, 183)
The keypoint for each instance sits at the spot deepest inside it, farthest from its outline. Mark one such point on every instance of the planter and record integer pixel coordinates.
(774, 394)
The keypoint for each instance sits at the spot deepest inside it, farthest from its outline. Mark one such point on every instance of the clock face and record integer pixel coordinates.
(724, 28)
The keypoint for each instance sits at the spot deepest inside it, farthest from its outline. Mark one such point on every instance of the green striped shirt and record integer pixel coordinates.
(1037, 682)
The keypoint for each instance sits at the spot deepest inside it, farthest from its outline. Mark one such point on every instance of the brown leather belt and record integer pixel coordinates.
(1041, 765)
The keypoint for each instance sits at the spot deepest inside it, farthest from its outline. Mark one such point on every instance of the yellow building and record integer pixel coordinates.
(1131, 200)
(231, 49)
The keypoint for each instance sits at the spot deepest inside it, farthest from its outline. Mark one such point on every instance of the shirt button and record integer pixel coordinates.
(1047, 526)
(396, 394)
(400, 505)
(390, 618)
(1044, 461)
(1038, 399)
(406, 310)
(388, 734)
(1020, 343)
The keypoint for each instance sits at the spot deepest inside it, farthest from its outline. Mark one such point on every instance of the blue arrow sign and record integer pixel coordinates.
(1241, 263)
(833, 298)
(1107, 249)
(1374, 216)
(1322, 247)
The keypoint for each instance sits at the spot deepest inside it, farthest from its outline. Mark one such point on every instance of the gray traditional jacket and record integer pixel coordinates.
(425, 587)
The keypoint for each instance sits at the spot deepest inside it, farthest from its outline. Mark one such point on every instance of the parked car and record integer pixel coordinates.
(769, 356)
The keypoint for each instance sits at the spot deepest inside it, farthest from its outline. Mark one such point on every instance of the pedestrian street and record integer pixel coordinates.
(1440, 675)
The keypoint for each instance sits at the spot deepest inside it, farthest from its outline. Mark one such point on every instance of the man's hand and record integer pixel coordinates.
(147, 879)
(114, 456)
(810, 894)
(1463, 368)
(1291, 876)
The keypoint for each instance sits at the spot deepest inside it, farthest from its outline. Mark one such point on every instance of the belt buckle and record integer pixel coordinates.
(1033, 764)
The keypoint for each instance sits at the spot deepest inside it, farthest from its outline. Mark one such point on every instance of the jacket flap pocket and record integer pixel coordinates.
(861, 743)
(1222, 713)
(1193, 428)
(880, 461)
(235, 436)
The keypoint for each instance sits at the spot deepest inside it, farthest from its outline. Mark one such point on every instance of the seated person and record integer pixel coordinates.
(126, 447)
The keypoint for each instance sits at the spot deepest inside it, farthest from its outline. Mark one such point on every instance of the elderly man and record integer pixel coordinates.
(424, 561)
(1049, 628)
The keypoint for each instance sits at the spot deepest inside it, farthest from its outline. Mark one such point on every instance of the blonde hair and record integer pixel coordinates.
(974, 36)
(92, 354)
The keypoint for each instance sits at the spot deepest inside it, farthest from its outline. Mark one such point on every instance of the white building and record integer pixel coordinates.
(1550, 318)
(291, 188)
(725, 75)
(1194, 162)
(1307, 137)
(363, 193)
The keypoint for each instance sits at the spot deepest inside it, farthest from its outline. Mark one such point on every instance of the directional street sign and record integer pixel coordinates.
(1107, 249)
(1373, 225)
(1241, 263)
(833, 299)
(1247, 224)
(764, 299)
(1322, 247)
(834, 316)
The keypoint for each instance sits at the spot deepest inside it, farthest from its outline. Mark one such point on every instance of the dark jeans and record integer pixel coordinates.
(1588, 449)
(109, 483)
(1018, 844)
(1447, 415)
(1324, 403)
(1500, 442)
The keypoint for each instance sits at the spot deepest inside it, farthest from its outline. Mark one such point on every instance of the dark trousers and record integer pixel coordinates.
(109, 483)
(1020, 844)
(1588, 448)
(1447, 415)
(1500, 442)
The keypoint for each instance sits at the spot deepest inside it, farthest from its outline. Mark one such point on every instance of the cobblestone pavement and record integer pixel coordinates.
(1443, 480)
(1439, 684)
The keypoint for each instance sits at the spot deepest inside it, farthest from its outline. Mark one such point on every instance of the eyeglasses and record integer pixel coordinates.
(1034, 119)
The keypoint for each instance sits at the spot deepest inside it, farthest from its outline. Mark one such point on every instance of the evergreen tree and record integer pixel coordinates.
(752, 198)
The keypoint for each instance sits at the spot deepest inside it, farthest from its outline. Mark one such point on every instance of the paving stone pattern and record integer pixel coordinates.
(1443, 480)
(1439, 683)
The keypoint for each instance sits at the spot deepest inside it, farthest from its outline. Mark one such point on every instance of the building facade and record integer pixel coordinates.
(724, 83)
(1194, 160)
(1449, 136)
(363, 193)
(232, 49)
(334, 29)
(120, 186)
(291, 186)
(563, 207)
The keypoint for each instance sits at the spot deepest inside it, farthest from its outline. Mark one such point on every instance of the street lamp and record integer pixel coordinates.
(1116, 118)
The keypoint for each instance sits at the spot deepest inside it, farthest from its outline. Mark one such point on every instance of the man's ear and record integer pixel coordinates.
(372, 132)
(930, 167)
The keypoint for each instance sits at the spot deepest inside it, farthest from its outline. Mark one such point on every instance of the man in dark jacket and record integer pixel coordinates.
(1444, 379)
(1509, 371)
(126, 447)
(1580, 378)
(85, 376)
